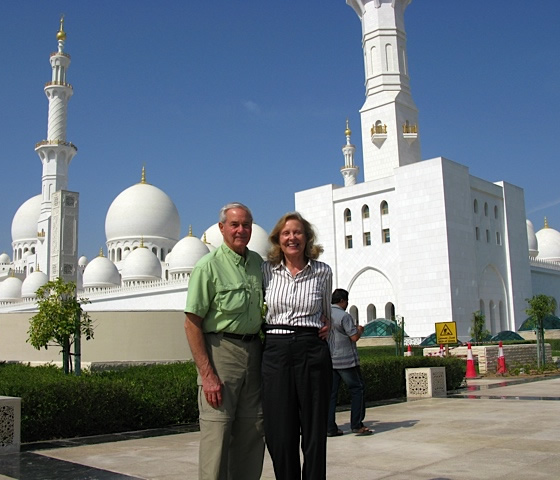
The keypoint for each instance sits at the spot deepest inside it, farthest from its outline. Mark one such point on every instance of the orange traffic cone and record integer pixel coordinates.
(471, 372)
(501, 360)
(408, 353)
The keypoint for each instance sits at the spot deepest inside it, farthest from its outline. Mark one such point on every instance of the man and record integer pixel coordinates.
(223, 320)
(346, 365)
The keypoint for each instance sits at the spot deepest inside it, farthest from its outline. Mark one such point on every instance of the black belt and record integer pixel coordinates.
(291, 330)
(246, 337)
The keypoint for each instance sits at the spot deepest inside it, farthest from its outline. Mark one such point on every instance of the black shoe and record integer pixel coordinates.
(338, 433)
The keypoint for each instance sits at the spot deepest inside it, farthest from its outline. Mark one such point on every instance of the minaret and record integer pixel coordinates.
(55, 152)
(389, 116)
(349, 171)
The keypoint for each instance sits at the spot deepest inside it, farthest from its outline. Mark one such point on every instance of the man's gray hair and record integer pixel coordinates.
(229, 206)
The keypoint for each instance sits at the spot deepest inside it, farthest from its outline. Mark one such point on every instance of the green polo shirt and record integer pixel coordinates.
(226, 291)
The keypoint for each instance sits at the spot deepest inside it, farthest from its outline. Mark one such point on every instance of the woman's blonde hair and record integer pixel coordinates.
(312, 251)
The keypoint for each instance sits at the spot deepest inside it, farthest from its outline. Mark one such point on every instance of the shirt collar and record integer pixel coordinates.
(282, 265)
(237, 259)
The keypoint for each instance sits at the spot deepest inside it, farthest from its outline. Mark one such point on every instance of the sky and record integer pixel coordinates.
(246, 100)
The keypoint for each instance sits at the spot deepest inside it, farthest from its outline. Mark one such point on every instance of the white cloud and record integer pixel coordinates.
(252, 107)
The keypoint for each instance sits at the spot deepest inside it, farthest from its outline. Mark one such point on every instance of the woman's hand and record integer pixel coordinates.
(325, 329)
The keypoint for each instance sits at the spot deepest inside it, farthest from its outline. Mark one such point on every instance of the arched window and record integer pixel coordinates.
(365, 211)
(485, 209)
(493, 326)
(384, 208)
(119, 254)
(353, 310)
(389, 311)
(371, 314)
(475, 206)
(347, 215)
(502, 315)
(496, 211)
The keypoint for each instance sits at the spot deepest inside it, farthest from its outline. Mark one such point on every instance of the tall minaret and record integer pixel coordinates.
(55, 152)
(349, 171)
(389, 115)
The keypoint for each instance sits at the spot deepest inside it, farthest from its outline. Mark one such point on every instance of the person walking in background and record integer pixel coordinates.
(223, 321)
(296, 367)
(346, 365)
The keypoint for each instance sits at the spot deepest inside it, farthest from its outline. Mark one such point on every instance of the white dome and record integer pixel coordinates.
(5, 259)
(549, 244)
(259, 239)
(142, 211)
(141, 265)
(532, 240)
(10, 289)
(101, 272)
(82, 261)
(24, 224)
(33, 282)
(185, 254)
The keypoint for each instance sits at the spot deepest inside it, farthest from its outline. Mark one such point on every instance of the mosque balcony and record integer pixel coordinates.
(60, 54)
(378, 134)
(61, 143)
(410, 132)
(58, 84)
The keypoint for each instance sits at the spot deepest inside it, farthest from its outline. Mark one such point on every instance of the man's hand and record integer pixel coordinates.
(211, 383)
(325, 329)
(212, 388)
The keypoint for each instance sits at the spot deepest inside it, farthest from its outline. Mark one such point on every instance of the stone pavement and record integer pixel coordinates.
(493, 429)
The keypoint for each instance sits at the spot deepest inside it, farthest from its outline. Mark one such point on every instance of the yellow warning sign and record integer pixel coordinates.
(446, 332)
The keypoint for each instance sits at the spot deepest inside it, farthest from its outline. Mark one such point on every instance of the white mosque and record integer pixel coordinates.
(419, 239)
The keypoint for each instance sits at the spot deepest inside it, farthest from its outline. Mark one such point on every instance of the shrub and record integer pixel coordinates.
(55, 405)
(385, 376)
(135, 398)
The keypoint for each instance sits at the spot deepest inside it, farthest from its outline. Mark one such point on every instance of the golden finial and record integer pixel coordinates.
(142, 241)
(204, 238)
(101, 252)
(143, 179)
(347, 132)
(38, 269)
(190, 230)
(545, 223)
(61, 34)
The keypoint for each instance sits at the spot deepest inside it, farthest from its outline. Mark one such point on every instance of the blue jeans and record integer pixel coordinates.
(352, 377)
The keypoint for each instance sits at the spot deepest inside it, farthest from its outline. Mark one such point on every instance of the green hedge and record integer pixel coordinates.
(55, 405)
(384, 376)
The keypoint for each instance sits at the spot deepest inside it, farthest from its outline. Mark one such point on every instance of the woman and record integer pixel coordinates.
(296, 365)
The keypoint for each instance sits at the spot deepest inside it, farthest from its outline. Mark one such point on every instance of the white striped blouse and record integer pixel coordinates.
(299, 300)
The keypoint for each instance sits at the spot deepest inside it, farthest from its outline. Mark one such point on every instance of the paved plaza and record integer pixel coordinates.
(493, 429)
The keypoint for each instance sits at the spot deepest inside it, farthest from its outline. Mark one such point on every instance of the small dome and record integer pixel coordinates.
(101, 273)
(141, 265)
(10, 289)
(142, 211)
(32, 283)
(532, 240)
(24, 224)
(549, 244)
(185, 254)
(259, 239)
(5, 259)
(82, 261)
